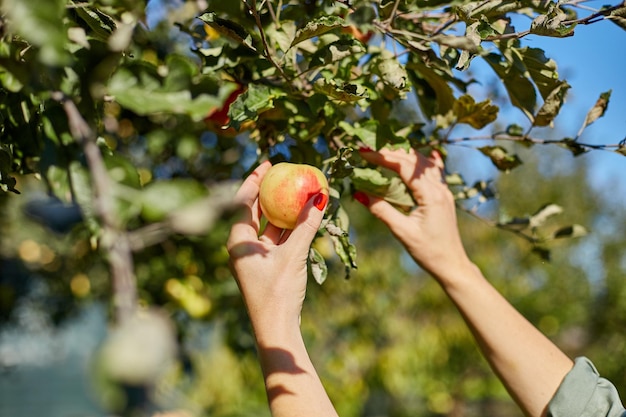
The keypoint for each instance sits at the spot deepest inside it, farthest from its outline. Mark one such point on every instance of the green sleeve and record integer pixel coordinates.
(584, 393)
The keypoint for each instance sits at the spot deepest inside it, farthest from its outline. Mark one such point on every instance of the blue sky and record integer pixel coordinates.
(594, 61)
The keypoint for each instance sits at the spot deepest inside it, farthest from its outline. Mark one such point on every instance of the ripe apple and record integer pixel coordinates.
(285, 190)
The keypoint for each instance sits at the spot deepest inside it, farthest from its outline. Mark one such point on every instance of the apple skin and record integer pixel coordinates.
(285, 190)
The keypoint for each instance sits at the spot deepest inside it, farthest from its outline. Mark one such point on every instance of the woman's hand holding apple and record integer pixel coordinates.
(271, 268)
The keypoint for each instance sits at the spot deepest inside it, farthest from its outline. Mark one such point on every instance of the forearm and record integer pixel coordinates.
(528, 363)
(292, 384)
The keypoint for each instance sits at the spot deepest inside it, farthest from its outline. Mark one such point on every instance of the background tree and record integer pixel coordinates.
(126, 134)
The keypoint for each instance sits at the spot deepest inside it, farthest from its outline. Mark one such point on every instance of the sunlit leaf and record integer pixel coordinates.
(618, 17)
(391, 188)
(501, 158)
(346, 92)
(318, 266)
(598, 109)
(254, 101)
(543, 214)
(520, 89)
(552, 23)
(573, 231)
(229, 29)
(318, 27)
(477, 115)
(552, 105)
(391, 72)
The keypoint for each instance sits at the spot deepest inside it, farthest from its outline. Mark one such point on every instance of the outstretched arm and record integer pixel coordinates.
(528, 363)
(271, 271)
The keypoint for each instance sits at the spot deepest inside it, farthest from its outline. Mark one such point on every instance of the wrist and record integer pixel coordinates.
(276, 329)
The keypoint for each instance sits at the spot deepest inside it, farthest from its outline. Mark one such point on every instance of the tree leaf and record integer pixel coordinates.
(346, 92)
(335, 51)
(573, 231)
(542, 70)
(618, 16)
(552, 105)
(254, 101)
(434, 94)
(520, 89)
(41, 24)
(501, 158)
(101, 24)
(144, 97)
(7, 182)
(598, 109)
(229, 29)
(543, 214)
(391, 189)
(551, 23)
(318, 27)
(318, 266)
(391, 72)
(477, 115)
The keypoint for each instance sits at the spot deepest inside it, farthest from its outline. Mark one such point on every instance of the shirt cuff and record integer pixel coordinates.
(583, 393)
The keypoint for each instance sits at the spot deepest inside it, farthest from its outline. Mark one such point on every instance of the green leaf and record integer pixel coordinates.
(542, 70)
(471, 33)
(391, 189)
(101, 24)
(254, 101)
(543, 214)
(552, 105)
(432, 89)
(41, 24)
(318, 27)
(551, 23)
(366, 132)
(318, 266)
(618, 16)
(335, 51)
(229, 29)
(337, 228)
(467, 43)
(7, 182)
(501, 158)
(573, 231)
(391, 72)
(598, 109)
(520, 89)
(345, 92)
(477, 115)
(145, 97)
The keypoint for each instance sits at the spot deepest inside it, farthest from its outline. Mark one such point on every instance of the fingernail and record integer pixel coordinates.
(362, 198)
(365, 149)
(320, 201)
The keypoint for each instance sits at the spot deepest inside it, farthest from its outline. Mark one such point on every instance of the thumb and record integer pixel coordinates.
(308, 223)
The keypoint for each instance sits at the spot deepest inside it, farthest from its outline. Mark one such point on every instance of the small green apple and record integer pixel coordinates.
(285, 190)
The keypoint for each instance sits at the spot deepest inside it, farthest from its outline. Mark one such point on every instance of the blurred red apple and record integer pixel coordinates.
(285, 190)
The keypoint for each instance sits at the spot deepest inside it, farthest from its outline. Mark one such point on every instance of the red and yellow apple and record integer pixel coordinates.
(285, 190)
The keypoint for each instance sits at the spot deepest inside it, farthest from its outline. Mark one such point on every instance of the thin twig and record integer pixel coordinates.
(266, 48)
(527, 139)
